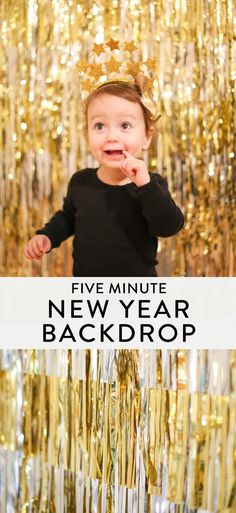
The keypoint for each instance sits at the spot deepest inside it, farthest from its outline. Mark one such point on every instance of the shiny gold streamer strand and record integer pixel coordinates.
(181, 443)
(163, 436)
(24, 500)
(38, 412)
(54, 421)
(132, 441)
(204, 451)
(121, 435)
(27, 413)
(212, 453)
(69, 491)
(182, 369)
(126, 416)
(72, 426)
(154, 439)
(113, 440)
(158, 368)
(85, 418)
(75, 408)
(195, 422)
(199, 450)
(222, 422)
(65, 424)
(8, 419)
(94, 466)
(106, 439)
(230, 499)
(232, 358)
(171, 476)
(81, 454)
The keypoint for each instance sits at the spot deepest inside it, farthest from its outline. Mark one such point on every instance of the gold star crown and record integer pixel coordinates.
(115, 61)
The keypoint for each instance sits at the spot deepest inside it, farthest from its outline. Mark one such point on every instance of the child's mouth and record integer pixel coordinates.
(114, 152)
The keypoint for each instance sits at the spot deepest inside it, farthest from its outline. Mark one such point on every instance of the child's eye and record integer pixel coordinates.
(124, 125)
(99, 126)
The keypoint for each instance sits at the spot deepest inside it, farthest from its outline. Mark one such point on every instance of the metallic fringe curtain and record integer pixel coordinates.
(42, 139)
(117, 431)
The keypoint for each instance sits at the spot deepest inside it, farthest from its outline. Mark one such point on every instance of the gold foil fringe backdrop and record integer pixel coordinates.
(42, 141)
(117, 431)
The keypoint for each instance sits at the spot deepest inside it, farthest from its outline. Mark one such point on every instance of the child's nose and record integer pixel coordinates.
(112, 135)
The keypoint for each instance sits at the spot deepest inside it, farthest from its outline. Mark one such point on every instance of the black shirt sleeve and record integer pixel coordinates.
(163, 216)
(61, 225)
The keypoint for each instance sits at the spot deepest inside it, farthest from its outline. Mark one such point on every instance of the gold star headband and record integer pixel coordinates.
(112, 61)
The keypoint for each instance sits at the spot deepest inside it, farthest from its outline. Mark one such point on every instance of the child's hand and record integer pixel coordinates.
(37, 247)
(135, 169)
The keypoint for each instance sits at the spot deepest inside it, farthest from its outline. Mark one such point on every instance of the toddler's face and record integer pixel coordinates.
(116, 124)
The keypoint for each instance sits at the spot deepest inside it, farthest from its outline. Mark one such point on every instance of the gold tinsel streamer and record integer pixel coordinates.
(99, 431)
(41, 130)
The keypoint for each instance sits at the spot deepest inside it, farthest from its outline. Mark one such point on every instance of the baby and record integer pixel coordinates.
(115, 211)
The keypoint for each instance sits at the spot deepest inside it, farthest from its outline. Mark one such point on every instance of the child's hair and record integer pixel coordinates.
(128, 91)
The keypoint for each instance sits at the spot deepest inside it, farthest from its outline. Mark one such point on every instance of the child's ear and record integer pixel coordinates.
(149, 136)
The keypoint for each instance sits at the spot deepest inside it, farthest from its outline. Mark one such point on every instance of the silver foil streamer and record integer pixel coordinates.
(80, 482)
(94, 364)
(59, 489)
(9, 479)
(8, 359)
(147, 359)
(94, 484)
(108, 368)
(57, 362)
(219, 378)
(193, 369)
(78, 364)
(104, 495)
(166, 369)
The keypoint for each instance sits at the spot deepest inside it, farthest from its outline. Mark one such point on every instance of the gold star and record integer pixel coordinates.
(87, 84)
(95, 70)
(133, 68)
(113, 65)
(151, 63)
(113, 45)
(130, 46)
(82, 65)
(98, 49)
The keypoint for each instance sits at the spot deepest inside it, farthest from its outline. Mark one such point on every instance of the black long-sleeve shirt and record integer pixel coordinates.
(115, 227)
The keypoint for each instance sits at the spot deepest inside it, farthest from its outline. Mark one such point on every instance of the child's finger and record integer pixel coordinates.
(128, 163)
(129, 167)
(35, 258)
(29, 253)
(35, 248)
(40, 245)
(127, 154)
(46, 244)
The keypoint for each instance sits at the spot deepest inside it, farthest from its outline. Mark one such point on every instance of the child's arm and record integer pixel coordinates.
(59, 228)
(163, 216)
